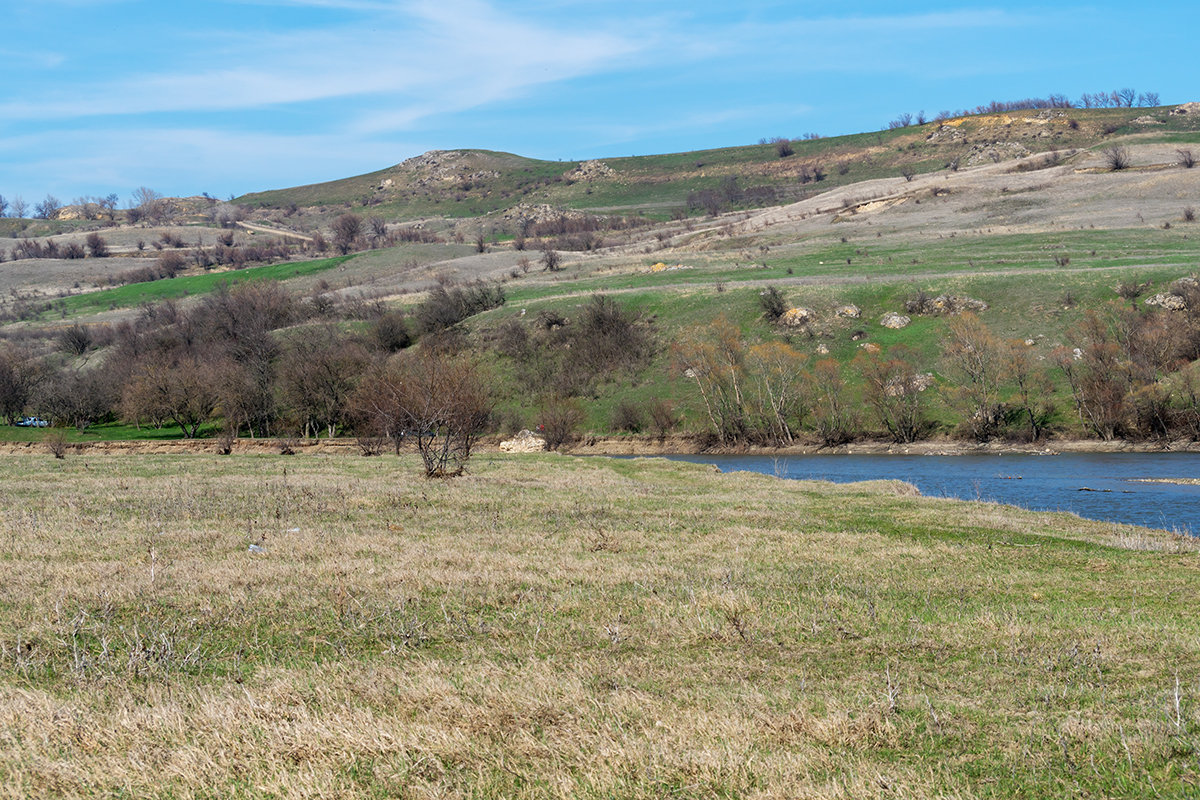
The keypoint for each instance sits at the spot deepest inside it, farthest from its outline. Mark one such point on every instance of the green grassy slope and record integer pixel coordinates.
(475, 182)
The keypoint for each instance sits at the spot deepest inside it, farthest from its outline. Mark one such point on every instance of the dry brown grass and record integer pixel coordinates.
(557, 627)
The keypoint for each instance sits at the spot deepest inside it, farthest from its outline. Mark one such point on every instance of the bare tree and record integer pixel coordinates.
(1125, 97)
(19, 208)
(75, 340)
(1186, 159)
(833, 414)
(1131, 291)
(551, 261)
(108, 205)
(1098, 377)
(778, 400)
(1033, 393)
(17, 379)
(181, 388)
(559, 420)
(48, 208)
(96, 245)
(149, 204)
(1115, 157)
(895, 390)
(317, 374)
(445, 405)
(713, 357)
(974, 359)
(3, 206)
(346, 230)
(378, 229)
(75, 397)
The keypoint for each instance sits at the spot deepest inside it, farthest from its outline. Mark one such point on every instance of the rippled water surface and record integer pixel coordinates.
(1095, 485)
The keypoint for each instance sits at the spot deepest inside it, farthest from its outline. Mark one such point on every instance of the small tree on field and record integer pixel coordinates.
(445, 404)
(1186, 159)
(551, 260)
(772, 303)
(96, 245)
(1116, 157)
(346, 230)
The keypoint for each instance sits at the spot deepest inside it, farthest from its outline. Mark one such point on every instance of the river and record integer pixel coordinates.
(1103, 486)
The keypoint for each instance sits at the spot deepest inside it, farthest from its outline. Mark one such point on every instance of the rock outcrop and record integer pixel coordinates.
(524, 442)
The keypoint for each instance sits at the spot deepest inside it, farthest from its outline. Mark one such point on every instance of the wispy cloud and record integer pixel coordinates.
(435, 56)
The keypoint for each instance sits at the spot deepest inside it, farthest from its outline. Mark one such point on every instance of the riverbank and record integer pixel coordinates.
(638, 446)
(685, 445)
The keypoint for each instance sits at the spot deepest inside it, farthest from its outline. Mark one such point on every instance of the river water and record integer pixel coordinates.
(1094, 485)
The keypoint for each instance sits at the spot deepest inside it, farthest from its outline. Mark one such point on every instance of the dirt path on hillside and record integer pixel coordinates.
(250, 226)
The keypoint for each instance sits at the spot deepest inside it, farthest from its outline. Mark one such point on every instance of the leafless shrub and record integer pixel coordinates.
(56, 443)
(346, 230)
(1186, 159)
(445, 404)
(628, 417)
(1131, 290)
(663, 417)
(560, 419)
(75, 340)
(226, 439)
(96, 245)
(1189, 214)
(1115, 157)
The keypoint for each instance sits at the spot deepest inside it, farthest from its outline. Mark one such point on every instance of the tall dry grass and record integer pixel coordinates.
(557, 627)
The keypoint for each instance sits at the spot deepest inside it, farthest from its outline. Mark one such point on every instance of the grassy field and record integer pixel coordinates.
(558, 627)
(173, 288)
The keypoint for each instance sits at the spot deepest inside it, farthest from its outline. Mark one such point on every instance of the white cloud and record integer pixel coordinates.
(433, 57)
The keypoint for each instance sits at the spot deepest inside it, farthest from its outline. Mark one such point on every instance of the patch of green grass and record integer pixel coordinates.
(104, 432)
(188, 285)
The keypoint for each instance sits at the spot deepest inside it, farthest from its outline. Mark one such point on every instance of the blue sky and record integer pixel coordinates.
(231, 96)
